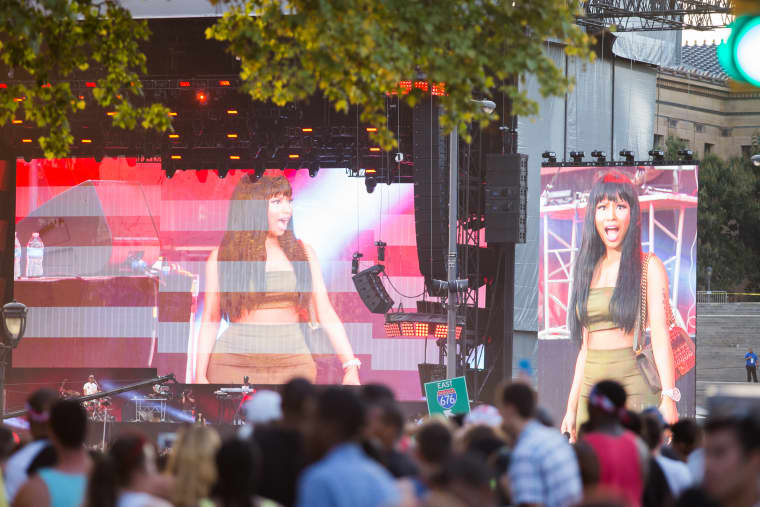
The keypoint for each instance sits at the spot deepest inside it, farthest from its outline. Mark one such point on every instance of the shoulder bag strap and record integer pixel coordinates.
(641, 320)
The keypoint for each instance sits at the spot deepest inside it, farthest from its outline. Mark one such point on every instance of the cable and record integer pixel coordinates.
(398, 291)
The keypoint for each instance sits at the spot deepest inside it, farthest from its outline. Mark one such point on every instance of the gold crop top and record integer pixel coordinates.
(281, 290)
(598, 309)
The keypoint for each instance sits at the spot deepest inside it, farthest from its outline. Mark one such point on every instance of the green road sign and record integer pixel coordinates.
(447, 397)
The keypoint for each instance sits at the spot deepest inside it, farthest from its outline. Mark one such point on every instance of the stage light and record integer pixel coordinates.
(173, 136)
(601, 156)
(3, 85)
(355, 262)
(577, 156)
(184, 84)
(370, 183)
(17, 122)
(201, 97)
(112, 113)
(657, 155)
(627, 154)
(313, 170)
(738, 54)
(257, 174)
(232, 111)
(374, 149)
(224, 83)
(756, 160)
(222, 172)
(371, 129)
(381, 250)
(232, 136)
(87, 141)
(550, 156)
(420, 325)
(234, 157)
(172, 113)
(294, 156)
(176, 157)
(90, 84)
(18, 99)
(307, 130)
(686, 154)
(26, 140)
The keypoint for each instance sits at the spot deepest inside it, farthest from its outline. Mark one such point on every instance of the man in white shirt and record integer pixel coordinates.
(91, 387)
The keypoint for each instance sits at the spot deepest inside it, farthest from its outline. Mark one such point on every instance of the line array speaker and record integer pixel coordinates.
(372, 291)
(506, 198)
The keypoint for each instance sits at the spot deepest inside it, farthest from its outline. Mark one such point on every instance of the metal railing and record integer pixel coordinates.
(712, 296)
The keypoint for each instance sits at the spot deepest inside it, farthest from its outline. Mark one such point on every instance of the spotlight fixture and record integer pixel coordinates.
(355, 262)
(257, 174)
(439, 288)
(657, 155)
(577, 156)
(222, 172)
(550, 156)
(370, 182)
(381, 250)
(313, 170)
(686, 154)
(202, 97)
(601, 156)
(627, 155)
(13, 323)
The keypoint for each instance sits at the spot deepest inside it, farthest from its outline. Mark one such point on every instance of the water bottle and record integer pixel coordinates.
(17, 259)
(34, 252)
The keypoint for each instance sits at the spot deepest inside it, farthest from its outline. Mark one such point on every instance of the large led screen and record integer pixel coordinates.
(211, 278)
(618, 248)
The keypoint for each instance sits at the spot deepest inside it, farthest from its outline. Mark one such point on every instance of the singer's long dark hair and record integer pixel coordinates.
(242, 253)
(624, 305)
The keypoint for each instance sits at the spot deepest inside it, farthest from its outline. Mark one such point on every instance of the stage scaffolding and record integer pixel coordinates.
(561, 246)
(655, 15)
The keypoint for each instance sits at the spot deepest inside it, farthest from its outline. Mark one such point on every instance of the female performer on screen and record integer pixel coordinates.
(268, 285)
(605, 302)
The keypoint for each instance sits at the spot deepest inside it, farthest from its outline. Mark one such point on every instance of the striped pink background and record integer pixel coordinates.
(87, 323)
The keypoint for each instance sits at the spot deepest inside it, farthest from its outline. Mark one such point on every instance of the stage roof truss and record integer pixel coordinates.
(655, 15)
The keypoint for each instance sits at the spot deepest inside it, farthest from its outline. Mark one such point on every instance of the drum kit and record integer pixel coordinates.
(98, 410)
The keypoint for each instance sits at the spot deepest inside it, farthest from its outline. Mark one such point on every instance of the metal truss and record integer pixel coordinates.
(655, 15)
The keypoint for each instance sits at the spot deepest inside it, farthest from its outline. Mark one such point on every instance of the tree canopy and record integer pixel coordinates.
(44, 45)
(355, 52)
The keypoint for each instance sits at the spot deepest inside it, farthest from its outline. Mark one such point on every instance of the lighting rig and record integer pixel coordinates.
(215, 126)
(627, 158)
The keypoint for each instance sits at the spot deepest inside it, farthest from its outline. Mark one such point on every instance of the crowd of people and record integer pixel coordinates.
(338, 446)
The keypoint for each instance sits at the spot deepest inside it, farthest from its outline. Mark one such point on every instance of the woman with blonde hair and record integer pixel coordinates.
(191, 465)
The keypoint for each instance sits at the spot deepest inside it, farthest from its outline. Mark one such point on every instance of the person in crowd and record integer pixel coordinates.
(543, 469)
(676, 472)
(588, 465)
(64, 484)
(345, 476)
(732, 458)
(686, 446)
(385, 427)
(192, 467)
(434, 445)
(238, 467)
(466, 481)
(750, 362)
(263, 407)
(281, 443)
(126, 476)
(38, 415)
(605, 305)
(622, 456)
(268, 285)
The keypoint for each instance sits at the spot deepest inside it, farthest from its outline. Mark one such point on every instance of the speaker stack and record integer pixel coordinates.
(506, 198)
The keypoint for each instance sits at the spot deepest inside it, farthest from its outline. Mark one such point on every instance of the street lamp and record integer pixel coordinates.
(14, 323)
(488, 107)
(708, 270)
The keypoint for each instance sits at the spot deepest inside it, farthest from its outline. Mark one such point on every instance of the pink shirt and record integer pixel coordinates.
(619, 466)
